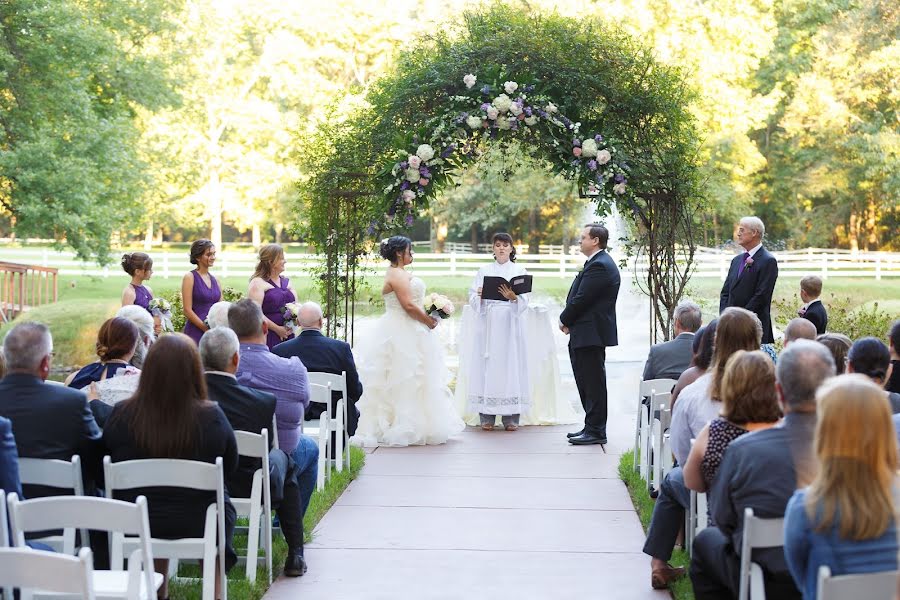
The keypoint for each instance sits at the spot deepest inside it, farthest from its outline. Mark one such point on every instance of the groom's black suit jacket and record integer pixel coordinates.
(753, 289)
(590, 312)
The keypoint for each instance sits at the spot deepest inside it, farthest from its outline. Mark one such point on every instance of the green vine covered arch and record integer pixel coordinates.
(581, 96)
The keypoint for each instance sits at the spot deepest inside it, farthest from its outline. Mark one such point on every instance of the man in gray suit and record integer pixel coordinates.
(669, 360)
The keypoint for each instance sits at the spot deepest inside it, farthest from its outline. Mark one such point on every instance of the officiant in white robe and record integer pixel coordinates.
(497, 362)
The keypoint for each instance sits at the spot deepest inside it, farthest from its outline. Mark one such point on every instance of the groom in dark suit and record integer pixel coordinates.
(751, 278)
(589, 319)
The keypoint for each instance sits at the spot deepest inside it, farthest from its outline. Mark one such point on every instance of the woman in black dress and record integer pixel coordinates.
(170, 417)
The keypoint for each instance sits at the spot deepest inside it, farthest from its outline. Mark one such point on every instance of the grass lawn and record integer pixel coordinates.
(238, 585)
(643, 504)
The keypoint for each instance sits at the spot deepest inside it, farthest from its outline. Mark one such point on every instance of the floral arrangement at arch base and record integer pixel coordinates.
(494, 112)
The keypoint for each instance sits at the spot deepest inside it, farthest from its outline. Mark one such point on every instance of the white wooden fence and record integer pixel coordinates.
(709, 263)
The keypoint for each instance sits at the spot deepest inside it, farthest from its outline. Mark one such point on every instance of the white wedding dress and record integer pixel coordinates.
(406, 399)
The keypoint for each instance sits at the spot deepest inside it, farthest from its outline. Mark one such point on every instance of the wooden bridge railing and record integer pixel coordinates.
(25, 286)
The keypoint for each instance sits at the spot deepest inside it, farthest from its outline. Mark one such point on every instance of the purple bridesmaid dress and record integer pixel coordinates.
(142, 296)
(273, 307)
(203, 298)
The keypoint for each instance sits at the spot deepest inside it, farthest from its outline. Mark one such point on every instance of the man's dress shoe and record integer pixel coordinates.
(575, 434)
(586, 439)
(294, 566)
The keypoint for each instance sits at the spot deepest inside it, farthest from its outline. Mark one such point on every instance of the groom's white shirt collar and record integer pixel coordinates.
(598, 251)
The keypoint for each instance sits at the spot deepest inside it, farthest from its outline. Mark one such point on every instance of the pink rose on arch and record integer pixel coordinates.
(414, 161)
(423, 182)
(576, 151)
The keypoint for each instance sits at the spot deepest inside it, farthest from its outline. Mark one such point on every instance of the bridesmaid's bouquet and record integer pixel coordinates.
(291, 314)
(438, 306)
(161, 309)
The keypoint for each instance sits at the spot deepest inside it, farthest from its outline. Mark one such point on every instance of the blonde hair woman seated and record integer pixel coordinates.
(845, 519)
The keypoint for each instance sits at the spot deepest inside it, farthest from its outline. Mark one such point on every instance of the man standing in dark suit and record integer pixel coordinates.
(48, 421)
(752, 276)
(589, 319)
(322, 354)
(668, 360)
(253, 410)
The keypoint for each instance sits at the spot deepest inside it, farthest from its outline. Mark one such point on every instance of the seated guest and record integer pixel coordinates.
(9, 460)
(286, 378)
(669, 360)
(252, 410)
(323, 354)
(144, 322)
(893, 384)
(799, 329)
(49, 421)
(218, 314)
(170, 416)
(702, 347)
(737, 329)
(839, 346)
(116, 344)
(845, 518)
(761, 471)
(700, 402)
(749, 403)
(870, 357)
(813, 310)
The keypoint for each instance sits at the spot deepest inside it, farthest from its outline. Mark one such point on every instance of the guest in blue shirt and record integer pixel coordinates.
(9, 460)
(845, 518)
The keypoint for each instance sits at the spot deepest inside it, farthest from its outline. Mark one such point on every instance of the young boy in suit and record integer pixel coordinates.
(813, 310)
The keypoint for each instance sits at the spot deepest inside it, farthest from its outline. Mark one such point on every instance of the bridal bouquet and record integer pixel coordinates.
(438, 306)
(291, 312)
(161, 309)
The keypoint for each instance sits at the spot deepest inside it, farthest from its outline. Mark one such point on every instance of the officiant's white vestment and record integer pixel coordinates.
(496, 355)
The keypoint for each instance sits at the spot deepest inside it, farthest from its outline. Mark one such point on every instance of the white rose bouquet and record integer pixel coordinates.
(438, 306)
(162, 310)
(291, 312)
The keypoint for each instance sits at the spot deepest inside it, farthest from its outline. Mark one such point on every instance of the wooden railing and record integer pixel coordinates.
(25, 286)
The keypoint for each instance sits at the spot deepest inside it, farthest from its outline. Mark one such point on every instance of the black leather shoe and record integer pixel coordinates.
(586, 439)
(294, 566)
(575, 434)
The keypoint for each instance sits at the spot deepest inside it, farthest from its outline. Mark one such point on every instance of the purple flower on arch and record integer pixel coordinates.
(448, 151)
(485, 106)
(424, 172)
(576, 142)
(404, 185)
(404, 165)
(598, 138)
(527, 110)
(486, 90)
(620, 178)
(409, 220)
(592, 165)
(392, 210)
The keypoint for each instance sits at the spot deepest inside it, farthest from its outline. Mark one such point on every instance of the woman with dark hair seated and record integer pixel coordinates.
(839, 346)
(702, 348)
(170, 417)
(116, 343)
(870, 357)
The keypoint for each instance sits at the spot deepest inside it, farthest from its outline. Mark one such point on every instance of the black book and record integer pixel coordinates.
(490, 289)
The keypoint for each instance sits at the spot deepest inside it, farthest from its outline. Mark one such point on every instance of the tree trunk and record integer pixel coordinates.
(872, 227)
(853, 232)
(214, 197)
(256, 238)
(534, 235)
(279, 228)
(473, 240)
(148, 238)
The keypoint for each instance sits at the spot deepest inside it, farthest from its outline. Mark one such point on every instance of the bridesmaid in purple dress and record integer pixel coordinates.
(140, 267)
(199, 289)
(272, 291)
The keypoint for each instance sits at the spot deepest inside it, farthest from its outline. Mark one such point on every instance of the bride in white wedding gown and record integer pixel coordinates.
(406, 399)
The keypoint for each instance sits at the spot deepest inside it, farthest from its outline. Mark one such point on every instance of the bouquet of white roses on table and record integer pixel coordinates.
(162, 310)
(438, 306)
(291, 316)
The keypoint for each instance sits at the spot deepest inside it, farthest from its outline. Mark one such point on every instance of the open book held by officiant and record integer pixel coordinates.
(490, 290)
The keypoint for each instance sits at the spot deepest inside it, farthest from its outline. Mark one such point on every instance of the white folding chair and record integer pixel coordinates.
(659, 429)
(119, 518)
(696, 520)
(258, 507)
(758, 533)
(4, 540)
(321, 393)
(275, 431)
(58, 474)
(339, 418)
(195, 475)
(642, 423)
(869, 586)
(29, 569)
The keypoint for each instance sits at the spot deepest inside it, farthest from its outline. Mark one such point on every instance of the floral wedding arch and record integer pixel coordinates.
(580, 96)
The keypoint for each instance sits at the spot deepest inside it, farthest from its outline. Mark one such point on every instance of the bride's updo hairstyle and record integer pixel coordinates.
(505, 237)
(393, 246)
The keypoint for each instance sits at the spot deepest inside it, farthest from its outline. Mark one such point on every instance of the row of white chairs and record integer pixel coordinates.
(651, 460)
(331, 421)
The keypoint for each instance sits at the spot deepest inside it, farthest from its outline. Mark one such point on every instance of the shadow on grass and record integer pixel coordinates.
(238, 585)
(643, 504)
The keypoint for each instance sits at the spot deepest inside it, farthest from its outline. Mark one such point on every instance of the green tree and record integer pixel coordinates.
(72, 75)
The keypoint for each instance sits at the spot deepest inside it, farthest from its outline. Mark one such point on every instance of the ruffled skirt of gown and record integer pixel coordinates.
(406, 399)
